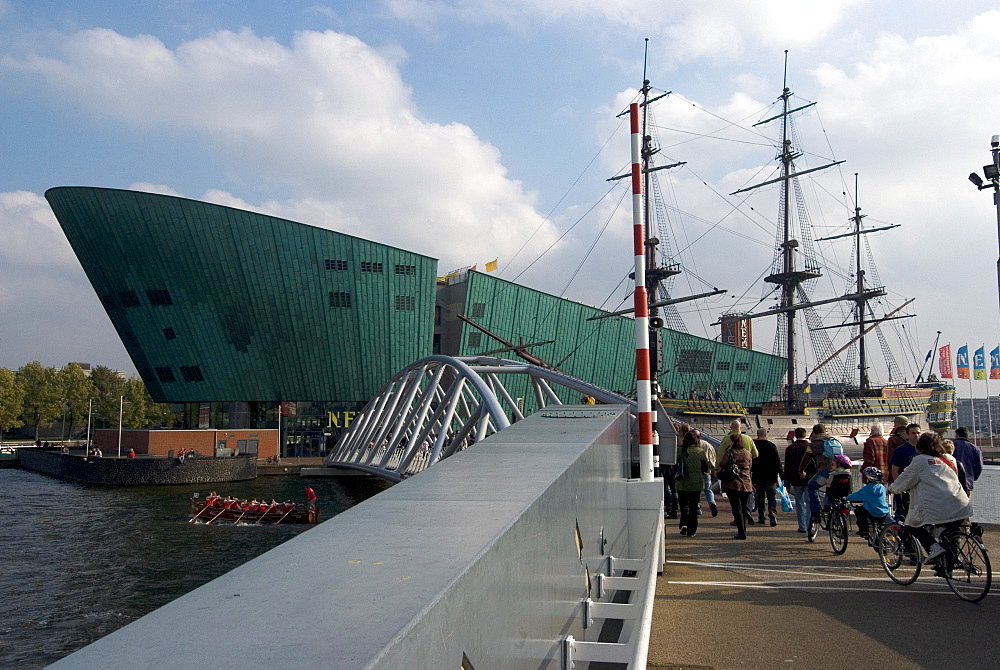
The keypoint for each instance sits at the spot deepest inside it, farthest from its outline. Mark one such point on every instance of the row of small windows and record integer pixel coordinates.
(756, 387)
(191, 373)
(335, 265)
(725, 365)
(342, 300)
(157, 297)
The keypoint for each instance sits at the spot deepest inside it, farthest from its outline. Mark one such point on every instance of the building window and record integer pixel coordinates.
(406, 269)
(739, 386)
(371, 266)
(169, 334)
(742, 367)
(340, 300)
(405, 303)
(335, 265)
(165, 375)
(722, 365)
(475, 340)
(159, 296)
(694, 361)
(757, 387)
(128, 298)
(192, 373)
(478, 310)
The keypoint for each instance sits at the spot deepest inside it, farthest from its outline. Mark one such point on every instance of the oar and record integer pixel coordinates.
(239, 517)
(191, 520)
(263, 514)
(215, 517)
(283, 517)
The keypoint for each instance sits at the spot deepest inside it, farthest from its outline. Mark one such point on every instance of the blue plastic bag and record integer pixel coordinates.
(786, 500)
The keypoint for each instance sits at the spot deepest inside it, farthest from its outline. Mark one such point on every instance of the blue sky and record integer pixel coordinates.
(468, 130)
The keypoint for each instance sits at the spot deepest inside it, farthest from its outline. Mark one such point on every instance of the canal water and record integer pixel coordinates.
(78, 562)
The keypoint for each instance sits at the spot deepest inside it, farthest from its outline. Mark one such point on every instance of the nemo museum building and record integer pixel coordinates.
(241, 316)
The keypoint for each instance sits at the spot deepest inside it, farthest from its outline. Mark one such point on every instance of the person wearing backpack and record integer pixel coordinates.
(691, 470)
(822, 449)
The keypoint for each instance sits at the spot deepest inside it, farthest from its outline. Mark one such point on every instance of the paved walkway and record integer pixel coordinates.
(776, 601)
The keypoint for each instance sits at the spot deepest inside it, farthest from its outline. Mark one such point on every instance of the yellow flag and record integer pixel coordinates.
(492, 265)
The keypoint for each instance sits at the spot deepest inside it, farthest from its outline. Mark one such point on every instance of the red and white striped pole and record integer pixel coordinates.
(642, 372)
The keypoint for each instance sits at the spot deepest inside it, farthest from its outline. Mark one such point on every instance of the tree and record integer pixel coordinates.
(42, 393)
(11, 401)
(110, 387)
(137, 402)
(78, 390)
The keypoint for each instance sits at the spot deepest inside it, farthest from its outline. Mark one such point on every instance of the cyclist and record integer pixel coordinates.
(936, 496)
(876, 505)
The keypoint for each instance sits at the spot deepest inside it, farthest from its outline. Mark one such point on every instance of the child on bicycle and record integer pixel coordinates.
(873, 495)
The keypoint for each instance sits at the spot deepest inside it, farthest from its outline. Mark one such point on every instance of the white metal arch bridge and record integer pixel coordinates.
(440, 405)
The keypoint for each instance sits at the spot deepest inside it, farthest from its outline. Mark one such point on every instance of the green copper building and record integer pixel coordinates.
(219, 305)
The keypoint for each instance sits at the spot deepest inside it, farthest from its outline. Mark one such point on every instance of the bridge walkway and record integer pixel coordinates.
(776, 601)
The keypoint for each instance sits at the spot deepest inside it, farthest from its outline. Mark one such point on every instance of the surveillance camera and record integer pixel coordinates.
(995, 142)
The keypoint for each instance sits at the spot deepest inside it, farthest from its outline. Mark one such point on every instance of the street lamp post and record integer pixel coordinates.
(992, 174)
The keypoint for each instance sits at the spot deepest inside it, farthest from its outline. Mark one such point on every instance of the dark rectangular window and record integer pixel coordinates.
(335, 265)
(405, 303)
(757, 387)
(722, 365)
(165, 375)
(475, 340)
(694, 361)
(128, 298)
(340, 300)
(371, 266)
(739, 386)
(478, 310)
(406, 269)
(159, 296)
(192, 373)
(742, 367)
(169, 334)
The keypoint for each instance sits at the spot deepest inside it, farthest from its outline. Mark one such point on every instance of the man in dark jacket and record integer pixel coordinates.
(969, 455)
(794, 455)
(764, 474)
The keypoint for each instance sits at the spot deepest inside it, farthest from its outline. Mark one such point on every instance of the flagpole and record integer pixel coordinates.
(972, 397)
(989, 410)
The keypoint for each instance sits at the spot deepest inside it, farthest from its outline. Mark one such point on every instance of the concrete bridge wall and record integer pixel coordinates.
(478, 558)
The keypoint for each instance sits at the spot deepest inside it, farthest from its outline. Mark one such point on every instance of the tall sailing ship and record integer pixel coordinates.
(853, 402)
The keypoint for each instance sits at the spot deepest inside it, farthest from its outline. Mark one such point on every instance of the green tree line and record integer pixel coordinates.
(37, 395)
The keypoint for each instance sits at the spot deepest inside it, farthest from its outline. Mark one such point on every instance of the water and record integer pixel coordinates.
(78, 562)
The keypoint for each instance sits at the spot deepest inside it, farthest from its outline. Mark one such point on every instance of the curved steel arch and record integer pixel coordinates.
(439, 406)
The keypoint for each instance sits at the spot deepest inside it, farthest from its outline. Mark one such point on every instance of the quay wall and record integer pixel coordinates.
(484, 560)
(139, 471)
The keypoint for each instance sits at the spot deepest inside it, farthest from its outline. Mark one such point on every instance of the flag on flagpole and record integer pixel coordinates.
(962, 361)
(995, 363)
(492, 265)
(944, 362)
(979, 363)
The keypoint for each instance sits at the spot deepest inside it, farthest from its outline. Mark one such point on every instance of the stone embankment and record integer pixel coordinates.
(139, 471)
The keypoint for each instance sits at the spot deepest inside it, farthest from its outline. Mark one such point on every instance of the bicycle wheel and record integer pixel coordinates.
(900, 554)
(838, 532)
(970, 575)
(812, 530)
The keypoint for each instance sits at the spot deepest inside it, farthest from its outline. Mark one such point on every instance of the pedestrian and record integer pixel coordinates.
(736, 435)
(901, 458)
(710, 455)
(310, 498)
(765, 473)
(738, 490)
(692, 468)
(821, 453)
(796, 481)
(969, 455)
(897, 437)
(131, 453)
(876, 452)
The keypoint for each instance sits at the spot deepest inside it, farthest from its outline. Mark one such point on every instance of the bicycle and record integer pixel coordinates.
(834, 518)
(875, 526)
(964, 565)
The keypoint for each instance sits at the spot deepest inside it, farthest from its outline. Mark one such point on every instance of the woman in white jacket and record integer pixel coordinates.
(936, 495)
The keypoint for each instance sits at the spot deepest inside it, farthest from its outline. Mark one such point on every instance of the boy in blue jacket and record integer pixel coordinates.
(873, 495)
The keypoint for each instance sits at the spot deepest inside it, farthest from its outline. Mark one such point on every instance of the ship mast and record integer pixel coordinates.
(863, 382)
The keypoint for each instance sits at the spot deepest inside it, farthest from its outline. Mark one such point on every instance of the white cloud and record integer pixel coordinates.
(328, 117)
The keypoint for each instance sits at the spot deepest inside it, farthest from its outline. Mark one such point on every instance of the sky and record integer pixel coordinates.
(481, 129)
